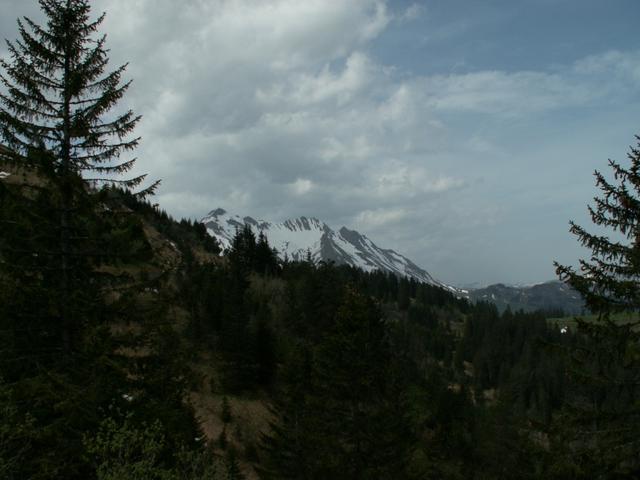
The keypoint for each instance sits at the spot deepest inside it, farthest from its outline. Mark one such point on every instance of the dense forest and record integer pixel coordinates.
(132, 348)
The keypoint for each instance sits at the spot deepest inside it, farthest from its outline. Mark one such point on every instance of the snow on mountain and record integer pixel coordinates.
(297, 238)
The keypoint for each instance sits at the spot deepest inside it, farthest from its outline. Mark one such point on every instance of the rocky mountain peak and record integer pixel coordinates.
(296, 238)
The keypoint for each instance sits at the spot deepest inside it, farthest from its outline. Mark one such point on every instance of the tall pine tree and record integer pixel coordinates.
(606, 365)
(58, 96)
(60, 133)
(55, 118)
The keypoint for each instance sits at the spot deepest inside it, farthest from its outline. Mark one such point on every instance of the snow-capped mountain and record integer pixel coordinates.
(298, 237)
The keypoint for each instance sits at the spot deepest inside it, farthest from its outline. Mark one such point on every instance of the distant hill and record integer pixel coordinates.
(553, 295)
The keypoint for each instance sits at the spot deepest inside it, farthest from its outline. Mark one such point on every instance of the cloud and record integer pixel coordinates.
(301, 186)
(373, 219)
(412, 12)
(504, 93)
(590, 80)
(305, 89)
(624, 66)
(395, 178)
(282, 108)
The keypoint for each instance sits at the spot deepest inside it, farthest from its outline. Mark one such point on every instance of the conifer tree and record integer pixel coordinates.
(55, 118)
(58, 96)
(358, 410)
(233, 467)
(404, 299)
(242, 254)
(266, 258)
(606, 366)
(346, 423)
(292, 444)
(264, 347)
(58, 125)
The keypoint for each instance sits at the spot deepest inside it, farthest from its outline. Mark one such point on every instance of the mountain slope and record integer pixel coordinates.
(298, 238)
(552, 295)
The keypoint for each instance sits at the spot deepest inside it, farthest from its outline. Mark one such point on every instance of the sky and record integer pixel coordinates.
(463, 134)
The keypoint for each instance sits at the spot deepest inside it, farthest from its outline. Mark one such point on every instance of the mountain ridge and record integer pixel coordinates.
(551, 295)
(300, 237)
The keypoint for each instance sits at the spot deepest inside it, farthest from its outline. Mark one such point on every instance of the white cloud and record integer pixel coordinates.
(395, 178)
(596, 78)
(621, 65)
(301, 186)
(413, 12)
(504, 93)
(305, 89)
(380, 217)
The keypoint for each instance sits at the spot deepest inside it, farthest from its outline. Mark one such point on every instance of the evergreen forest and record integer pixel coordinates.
(132, 347)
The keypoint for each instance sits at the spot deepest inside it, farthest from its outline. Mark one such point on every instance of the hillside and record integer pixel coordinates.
(548, 296)
(225, 349)
(222, 350)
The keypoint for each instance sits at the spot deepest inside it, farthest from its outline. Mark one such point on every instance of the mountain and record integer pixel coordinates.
(553, 295)
(297, 238)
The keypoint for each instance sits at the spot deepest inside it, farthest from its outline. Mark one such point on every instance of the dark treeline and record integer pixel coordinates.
(366, 375)
(371, 376)
(518, 354)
